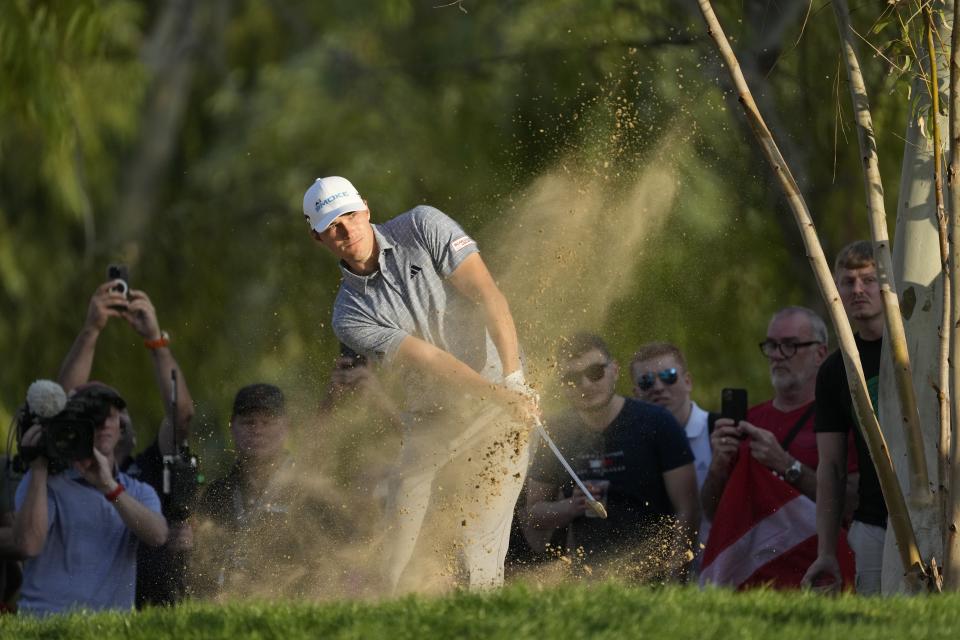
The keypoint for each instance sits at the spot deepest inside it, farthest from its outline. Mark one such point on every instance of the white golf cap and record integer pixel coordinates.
(328, 198)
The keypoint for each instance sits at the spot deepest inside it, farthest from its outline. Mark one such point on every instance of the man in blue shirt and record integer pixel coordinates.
(79, 529)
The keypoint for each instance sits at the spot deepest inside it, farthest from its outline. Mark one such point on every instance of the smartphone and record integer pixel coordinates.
(733, 404)
(356, 359)
(119, 272)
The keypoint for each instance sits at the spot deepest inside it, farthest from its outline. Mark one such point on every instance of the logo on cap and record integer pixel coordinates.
(322, 203)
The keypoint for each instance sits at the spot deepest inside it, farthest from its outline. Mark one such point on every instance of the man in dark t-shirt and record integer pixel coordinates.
(631, 455)
(856, 275)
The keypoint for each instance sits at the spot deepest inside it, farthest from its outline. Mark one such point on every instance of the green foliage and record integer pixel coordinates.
(602, 611)
(415, 104)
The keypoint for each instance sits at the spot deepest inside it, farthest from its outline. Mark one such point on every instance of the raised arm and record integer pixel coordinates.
(142, 316)
(104, 304)
(473, 280)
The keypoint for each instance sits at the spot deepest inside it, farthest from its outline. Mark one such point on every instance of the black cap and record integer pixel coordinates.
(100, 392)
(259, 397)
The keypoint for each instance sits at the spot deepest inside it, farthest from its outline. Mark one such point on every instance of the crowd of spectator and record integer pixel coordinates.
(108, 532)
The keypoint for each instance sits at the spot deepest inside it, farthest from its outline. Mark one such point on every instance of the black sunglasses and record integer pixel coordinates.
(592, 373)
(667, 376)
(770, 348)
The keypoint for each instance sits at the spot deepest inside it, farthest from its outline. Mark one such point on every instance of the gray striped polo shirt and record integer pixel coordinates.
(410, 295)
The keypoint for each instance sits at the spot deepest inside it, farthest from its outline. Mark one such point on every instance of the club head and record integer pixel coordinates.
(598, 508)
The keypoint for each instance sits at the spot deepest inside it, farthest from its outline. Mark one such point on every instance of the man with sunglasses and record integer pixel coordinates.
(660, 376)
(631, 455)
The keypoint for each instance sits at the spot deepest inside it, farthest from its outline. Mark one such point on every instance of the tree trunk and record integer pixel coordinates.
(917, 270)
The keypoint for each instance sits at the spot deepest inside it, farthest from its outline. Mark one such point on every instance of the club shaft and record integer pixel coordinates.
(563, 461)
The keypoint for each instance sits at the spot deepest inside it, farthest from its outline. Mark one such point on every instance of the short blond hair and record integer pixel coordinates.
(653, 350)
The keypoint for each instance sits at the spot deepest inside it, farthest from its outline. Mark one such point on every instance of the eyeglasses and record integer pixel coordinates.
(770, 348)
(592, 373)
(667, 377)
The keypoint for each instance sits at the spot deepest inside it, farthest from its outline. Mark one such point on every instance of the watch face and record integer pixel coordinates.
(793, 472)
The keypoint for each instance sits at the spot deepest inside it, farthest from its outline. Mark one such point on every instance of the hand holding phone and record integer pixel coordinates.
(119, 272)
(733, 404)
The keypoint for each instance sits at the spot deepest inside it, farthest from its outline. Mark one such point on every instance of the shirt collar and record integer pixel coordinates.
(696, 423)
(357, 282)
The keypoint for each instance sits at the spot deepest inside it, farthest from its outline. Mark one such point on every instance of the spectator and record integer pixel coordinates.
(777, 434)
(364, 426)
(11, 573)
(661, 377)
(630, 454)
(160, 571)
(253, 497)
(779, 431)
(855, 271)
(79, 528)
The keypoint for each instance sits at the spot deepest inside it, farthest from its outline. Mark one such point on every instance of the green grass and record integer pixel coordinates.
(601, 611)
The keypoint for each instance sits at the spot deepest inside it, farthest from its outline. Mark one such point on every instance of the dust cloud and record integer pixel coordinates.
(564, 255)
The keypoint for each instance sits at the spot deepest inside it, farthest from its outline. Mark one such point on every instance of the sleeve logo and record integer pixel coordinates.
(461, 242)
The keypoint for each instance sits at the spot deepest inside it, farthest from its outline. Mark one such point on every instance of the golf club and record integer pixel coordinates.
(591, 501)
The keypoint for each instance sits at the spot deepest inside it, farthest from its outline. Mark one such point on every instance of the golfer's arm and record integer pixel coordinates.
(436, 362)
(831, 485)
(543, 513)
(473, 280)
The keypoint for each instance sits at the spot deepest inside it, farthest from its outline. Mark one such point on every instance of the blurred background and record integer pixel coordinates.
(594, 149)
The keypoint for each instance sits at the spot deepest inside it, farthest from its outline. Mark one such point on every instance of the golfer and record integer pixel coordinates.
(417, 295)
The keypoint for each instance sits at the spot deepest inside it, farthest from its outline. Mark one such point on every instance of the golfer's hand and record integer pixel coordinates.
(823, 575)
(526, 403)
(765, 449)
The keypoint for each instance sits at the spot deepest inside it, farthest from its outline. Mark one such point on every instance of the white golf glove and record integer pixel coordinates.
(518, 384)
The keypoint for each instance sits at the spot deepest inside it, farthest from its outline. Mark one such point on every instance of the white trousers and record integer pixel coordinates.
(866, 540)
(451, 503)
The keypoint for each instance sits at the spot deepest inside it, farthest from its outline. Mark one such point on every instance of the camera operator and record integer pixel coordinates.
(160, 571)
(79, 528)
(11, 574)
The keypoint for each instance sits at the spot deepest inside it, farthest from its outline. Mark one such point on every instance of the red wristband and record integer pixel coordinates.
(113, 495)
(159, 343)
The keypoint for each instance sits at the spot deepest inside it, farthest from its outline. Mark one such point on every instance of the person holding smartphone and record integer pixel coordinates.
(779, 435)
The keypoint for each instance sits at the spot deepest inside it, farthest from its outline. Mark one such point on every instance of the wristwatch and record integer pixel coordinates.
(792, 474)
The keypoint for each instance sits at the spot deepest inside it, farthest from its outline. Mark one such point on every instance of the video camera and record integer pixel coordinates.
(67, 424)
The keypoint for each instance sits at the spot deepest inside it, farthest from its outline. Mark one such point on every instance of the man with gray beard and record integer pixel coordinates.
(780, 431)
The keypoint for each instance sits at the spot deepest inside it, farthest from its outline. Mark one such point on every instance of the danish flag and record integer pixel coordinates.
(764, 533)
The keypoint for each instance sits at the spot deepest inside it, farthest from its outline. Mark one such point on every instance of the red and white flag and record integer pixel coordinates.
(764, 533)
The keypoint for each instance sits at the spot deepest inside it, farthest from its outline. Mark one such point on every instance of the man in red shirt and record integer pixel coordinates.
(779, 432)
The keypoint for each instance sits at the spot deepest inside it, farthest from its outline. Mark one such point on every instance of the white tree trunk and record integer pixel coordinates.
(917, 269)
